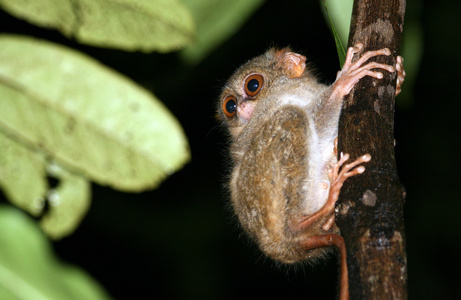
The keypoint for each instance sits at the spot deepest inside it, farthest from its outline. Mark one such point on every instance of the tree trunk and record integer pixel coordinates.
(370, 208)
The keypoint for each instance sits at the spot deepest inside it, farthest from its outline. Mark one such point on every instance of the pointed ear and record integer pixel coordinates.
(292, 63)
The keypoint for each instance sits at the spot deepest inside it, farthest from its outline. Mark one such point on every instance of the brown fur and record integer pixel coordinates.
(275, 156)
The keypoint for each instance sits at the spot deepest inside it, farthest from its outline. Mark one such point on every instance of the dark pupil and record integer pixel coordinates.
(231, 106)
(253, 85)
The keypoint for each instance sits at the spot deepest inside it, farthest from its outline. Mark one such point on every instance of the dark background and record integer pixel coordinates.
(181, 241)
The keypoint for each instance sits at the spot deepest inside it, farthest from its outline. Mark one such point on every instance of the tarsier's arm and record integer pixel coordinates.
(283, 189)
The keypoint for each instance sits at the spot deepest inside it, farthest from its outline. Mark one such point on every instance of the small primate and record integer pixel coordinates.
(286, 177)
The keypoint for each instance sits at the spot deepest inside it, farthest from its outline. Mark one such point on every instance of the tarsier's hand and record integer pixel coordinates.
(353, 72)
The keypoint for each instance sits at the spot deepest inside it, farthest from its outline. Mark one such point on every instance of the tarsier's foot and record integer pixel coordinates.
(400, 75)
(337, 178)
(353, 72)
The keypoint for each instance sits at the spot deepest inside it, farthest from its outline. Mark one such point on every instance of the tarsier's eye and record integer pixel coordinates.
(229, 106)
(253, 84)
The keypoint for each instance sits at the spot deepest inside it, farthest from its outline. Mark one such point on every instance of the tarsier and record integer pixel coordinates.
(286, 178)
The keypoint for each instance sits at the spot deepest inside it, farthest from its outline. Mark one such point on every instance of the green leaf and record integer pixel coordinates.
(216, 21)
(154, 25)
(68, 203)
(22, 178)
(339, 13)
(22, 175)
(89, 119)
(28, 268)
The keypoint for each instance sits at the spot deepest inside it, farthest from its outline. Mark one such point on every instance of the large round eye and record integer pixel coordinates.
(229, 106)
(253, 84)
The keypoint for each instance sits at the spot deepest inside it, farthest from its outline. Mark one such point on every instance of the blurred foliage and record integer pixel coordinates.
(412, 52)
(339, 12)
(130, 140)
(90, 121)
(341, 16)
(30, 270)
(130, 25)
(216, 20)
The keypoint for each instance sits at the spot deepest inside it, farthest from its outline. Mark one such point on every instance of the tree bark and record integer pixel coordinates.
(370, 208)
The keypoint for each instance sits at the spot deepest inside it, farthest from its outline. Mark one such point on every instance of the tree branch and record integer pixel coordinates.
(370, 208)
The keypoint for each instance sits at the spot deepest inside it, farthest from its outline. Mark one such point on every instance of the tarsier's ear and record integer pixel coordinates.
(292, 63)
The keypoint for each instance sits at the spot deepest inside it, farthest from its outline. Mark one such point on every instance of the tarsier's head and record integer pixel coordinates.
(253, 82)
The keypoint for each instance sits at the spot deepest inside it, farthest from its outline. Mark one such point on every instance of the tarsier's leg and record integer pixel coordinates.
(338, 241)
(337, 179)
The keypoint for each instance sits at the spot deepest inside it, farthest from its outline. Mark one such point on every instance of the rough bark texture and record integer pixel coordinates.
(370, 209)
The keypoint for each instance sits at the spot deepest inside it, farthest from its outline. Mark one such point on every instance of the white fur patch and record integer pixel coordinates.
(294, 100)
